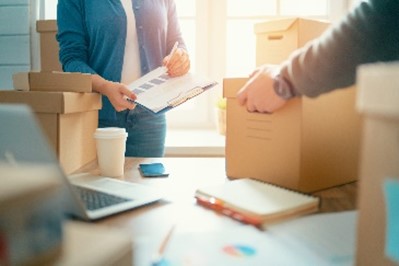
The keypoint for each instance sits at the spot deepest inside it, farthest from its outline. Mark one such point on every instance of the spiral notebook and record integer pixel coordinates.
(158, 92)
(256, 202)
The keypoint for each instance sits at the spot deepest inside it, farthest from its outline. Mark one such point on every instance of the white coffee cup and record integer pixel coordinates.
(111, 146)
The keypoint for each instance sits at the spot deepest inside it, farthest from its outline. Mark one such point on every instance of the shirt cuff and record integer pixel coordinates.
(283, 87)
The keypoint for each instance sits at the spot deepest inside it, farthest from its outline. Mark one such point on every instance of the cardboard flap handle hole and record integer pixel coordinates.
(275, 37)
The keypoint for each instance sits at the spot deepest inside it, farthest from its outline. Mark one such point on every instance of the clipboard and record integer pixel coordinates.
(158, 92)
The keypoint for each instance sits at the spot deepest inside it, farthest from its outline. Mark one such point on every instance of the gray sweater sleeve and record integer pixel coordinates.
(368, 33)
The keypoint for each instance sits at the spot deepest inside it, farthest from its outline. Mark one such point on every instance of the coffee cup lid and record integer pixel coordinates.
(110, 132)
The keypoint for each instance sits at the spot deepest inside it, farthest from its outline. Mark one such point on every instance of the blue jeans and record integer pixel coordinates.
(146, 131)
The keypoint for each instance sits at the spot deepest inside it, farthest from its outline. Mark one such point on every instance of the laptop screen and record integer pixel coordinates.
(22, 141)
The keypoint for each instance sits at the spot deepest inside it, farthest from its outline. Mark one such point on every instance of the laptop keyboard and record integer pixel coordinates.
(94, 199)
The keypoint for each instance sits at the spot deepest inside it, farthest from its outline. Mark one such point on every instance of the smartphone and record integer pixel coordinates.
(153, 170)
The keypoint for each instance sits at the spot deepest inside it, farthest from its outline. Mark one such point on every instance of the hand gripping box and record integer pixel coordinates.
(378, 198)
(69, 120)
(309, 145)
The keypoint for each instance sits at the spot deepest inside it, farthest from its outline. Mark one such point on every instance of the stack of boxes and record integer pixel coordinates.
(310, 144)
(64, 103)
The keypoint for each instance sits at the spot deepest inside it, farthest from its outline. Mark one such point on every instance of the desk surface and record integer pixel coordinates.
(178, 207)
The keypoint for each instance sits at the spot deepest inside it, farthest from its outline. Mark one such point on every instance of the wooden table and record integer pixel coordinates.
(178, 207)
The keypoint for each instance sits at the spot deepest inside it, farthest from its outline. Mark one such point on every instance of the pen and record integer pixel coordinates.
(158, 259)
(173, 51)
(219, 206)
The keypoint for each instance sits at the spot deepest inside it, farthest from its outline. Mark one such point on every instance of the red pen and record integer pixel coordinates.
(219, 206)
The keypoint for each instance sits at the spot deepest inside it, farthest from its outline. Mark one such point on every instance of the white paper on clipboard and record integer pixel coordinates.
(159, 92)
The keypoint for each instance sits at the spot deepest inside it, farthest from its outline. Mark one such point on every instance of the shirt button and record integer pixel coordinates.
(140, 27)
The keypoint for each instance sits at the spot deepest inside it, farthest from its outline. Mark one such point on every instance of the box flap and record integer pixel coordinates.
(46, 25)
(54, 102)
(232, 85)
(274, 25)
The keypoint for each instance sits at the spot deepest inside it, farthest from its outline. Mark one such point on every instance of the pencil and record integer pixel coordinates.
(158, 258)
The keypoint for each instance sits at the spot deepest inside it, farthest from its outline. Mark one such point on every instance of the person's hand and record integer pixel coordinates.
(258, 94)
(120, 96)
(118, 93)
(178, 62)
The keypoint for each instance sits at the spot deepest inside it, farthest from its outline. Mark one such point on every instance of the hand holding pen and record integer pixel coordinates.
(177, 62)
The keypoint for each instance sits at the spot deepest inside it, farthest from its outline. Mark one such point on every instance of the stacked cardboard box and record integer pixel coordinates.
(52, 81)
(310, 144)
(48, 45)
(68, 119)
(64, 103)
(276, 39)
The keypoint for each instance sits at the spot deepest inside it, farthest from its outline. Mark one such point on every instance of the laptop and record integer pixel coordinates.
(22, 142)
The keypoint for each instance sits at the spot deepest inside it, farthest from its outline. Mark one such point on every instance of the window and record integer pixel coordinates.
(221, 42)
(224, 44)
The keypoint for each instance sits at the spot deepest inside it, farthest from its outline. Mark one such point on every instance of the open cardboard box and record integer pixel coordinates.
(69, 120)
(309, 145)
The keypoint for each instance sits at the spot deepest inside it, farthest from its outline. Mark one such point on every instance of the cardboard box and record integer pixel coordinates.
(378, 102)
(309, 145)
(49, 49)
(276, 39)
(69, 120)
(30, 214)
(52, 81)
(91, 244)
